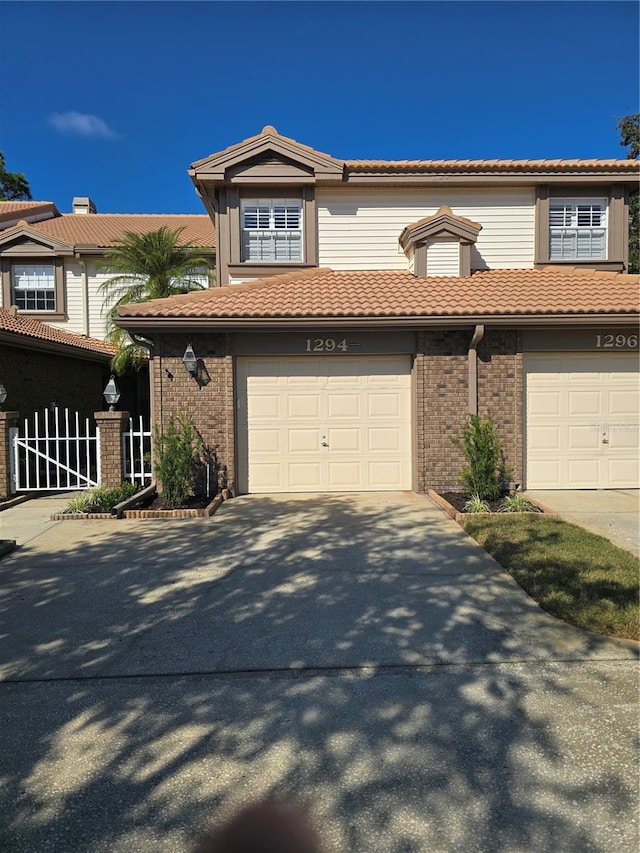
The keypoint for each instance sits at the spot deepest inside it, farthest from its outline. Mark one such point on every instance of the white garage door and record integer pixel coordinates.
(327, 424)
(582, 421)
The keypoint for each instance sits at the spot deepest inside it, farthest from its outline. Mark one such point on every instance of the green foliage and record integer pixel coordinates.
(101, 499)
(484, 474)
(13, 185)
(146, 266)
(177, 450)
(516, 503)
(476, 504)
(629, 128)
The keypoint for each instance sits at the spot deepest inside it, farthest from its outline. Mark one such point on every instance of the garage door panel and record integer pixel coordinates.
(303, 406)
(344, 405)
(264, 406)
(384, 440)
(266, 476)
(624, 403)
(584, 403)
(303, 475)
(385, 475)
(345, 440)
(583, 437)
(544, 438)
(544, 403)
(383, 405)
(345, 475)
(265, 440)
(582, 422)
(303, 440)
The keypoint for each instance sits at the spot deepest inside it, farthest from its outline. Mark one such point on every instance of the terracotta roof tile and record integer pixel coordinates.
(29, 327)
(105, 229)
(457, 166)
(374, 294)
(24, 207)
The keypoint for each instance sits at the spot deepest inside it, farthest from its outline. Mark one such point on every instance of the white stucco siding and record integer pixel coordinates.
(443, 258)
(359, 228)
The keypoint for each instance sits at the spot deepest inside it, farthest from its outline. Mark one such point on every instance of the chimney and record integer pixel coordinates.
(83, 204)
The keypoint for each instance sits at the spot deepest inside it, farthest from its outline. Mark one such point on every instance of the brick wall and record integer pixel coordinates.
(441, 381)
(34, 379)
(209, 403)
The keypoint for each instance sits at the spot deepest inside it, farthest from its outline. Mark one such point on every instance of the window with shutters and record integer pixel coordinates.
(577, 229)
(272, 230)
(34, 287)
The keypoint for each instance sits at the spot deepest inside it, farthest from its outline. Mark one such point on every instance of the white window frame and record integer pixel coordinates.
(272, 240)
(573, 229)
(33, 285)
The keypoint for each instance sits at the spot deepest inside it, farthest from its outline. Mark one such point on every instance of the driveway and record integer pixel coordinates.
(355, 653)
(613, 513)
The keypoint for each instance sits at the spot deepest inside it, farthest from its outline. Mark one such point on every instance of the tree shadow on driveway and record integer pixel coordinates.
(361, 657)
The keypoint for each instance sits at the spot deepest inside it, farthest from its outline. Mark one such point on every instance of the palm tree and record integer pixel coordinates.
(146, 266)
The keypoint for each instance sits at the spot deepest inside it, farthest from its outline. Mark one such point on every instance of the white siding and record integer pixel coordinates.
(443, 258)
(240, 280)
(359, 228)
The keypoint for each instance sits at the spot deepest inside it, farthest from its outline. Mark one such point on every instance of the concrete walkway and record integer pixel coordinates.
(355, 653)
(613, 513)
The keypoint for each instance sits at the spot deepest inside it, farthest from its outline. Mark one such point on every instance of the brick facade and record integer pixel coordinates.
(34, 379)
(208, 400)
(111, 426)
(441, 383)
(8, 420)
(441, 395)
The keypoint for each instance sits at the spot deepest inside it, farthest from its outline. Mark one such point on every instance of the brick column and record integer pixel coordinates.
(7, 421)
(111, 426)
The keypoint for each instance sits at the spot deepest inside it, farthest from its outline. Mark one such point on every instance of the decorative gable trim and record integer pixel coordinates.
(443, 224)
(261, 156)
(24, 240)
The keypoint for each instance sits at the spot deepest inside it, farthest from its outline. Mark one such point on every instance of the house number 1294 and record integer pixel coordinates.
(326, 345)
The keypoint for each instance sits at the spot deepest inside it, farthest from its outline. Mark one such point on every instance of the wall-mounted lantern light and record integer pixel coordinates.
(111, 393)
(190, 360)
(3, 394)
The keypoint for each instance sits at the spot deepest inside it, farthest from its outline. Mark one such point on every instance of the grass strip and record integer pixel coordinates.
(575, 575)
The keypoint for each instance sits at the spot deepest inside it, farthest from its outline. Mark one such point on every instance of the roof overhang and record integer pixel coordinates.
(23, 341)
(25, 233)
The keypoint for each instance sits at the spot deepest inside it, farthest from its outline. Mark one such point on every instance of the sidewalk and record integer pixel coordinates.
(27, 520)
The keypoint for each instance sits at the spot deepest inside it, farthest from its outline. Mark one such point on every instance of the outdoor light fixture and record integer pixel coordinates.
(3, 394)
(190, 360)
(111, 393)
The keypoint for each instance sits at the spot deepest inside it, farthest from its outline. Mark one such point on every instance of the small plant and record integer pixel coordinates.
(78, 504)
(476, 504)
(100, 499)
(516, 503)
(484, 474)
(177, 454)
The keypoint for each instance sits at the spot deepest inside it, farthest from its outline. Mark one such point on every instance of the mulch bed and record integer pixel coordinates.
(458, 500)
(194, 502)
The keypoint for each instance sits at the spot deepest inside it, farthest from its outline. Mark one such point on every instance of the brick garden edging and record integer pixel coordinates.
(460, 517)
(205, 512)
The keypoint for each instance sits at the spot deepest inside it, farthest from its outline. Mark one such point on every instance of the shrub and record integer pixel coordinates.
(484, 474)
(516, 503)
(78, 504)
(176, 457)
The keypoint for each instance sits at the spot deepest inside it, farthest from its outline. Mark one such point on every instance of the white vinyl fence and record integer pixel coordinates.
(56, 451)
(137, 453)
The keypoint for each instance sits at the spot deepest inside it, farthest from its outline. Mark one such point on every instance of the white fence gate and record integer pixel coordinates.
(57, 452)
(136, 445)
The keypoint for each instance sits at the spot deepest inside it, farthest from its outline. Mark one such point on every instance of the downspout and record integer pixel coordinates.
(86, 326)
(478, 335)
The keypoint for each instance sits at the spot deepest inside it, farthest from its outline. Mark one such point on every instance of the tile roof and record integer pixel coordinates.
(14, 207)
(29, 327)
(105, 229)
(269, 130)
(325, 293)
(508, 166)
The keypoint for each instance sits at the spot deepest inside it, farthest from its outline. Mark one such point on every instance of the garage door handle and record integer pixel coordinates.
(605, 440)
(324, 442)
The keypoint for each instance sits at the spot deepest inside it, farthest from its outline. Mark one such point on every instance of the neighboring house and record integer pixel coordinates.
(41, 367)
(375, 304)
(51, 262)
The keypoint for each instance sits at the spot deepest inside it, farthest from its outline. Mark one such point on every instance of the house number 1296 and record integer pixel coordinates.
(616, 341)
(326, 345)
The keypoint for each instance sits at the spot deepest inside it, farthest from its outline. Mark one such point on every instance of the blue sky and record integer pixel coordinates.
(115, 99)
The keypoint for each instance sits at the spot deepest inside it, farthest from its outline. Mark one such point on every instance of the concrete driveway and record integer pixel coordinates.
(354, 653)
(613, 513)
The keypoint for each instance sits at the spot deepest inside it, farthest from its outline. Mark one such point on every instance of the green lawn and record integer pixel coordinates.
(573, 574)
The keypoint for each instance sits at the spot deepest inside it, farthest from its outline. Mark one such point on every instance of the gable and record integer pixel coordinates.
(270, 168)
(24, 240)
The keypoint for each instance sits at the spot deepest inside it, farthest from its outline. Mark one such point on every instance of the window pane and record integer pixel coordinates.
(272, 230)
(34, 287)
